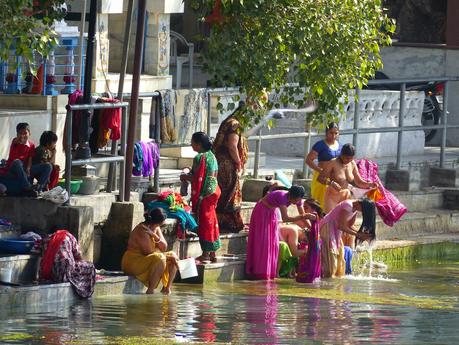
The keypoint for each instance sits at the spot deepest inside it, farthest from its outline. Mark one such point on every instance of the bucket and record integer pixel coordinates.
(5, 275)
(187, 268)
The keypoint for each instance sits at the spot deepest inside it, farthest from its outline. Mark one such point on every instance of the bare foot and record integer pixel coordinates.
(166, 291)
(150, 291)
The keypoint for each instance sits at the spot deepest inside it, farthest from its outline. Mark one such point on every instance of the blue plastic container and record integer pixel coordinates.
(15, 246)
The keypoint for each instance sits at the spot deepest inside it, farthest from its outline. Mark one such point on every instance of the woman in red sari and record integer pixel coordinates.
(205, 193)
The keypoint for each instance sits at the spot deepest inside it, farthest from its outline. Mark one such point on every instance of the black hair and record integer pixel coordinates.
(270, 188)
(21, 126)
(369, 219)
(315, 206)
(348, 150)
(202, 139)
(47, 137)
(331, 125)
(155, 216)
(296, 192)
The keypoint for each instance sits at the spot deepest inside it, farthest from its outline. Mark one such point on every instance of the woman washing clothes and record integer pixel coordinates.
(263, 241)
(341, 220)
(324, 151)
(146, 257)
(340, 176)
(62, 262)
(205, 193)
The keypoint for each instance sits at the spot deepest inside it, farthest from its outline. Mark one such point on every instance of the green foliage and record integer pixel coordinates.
(27, 25)
(321, 48)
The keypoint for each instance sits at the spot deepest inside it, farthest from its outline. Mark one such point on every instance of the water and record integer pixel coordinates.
(417, 304)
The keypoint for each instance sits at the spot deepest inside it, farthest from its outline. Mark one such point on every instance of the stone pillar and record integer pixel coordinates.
(157, 44)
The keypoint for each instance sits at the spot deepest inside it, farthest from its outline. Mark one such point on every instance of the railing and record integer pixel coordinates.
(357, 130)
(59, 71)
(106, 158)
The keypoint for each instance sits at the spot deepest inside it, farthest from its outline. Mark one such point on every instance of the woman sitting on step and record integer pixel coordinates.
(62, 262)
(146, 257)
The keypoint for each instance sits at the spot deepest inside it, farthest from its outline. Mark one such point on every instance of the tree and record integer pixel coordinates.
(322, 47)
(26, 25)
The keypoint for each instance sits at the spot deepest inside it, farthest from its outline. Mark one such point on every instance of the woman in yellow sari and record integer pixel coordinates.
(146, 257)
(324, 151)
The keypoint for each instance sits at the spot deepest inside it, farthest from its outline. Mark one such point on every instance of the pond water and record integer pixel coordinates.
(416, 304)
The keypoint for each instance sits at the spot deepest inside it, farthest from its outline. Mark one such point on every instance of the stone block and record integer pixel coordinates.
(398, 179)
(123, 217)
(252, 189)
(442, 177)
(78, 220)
(451, 199)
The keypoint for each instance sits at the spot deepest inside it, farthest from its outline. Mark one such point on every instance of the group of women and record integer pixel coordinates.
(216, 199)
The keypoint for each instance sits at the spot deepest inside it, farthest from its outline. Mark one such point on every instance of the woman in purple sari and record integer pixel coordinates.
(309, 268)
(263, 242)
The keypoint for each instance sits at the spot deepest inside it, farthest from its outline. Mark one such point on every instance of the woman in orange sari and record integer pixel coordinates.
(205, 193)
(231, 151)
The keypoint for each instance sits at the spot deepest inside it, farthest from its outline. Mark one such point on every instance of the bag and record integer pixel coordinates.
(57, 195)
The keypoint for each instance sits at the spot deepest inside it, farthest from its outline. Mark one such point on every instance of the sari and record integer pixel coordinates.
(62, 262)
(205, 193)
(389, 207)
(332, 255)
(141, 266)
(309, 268)
(229, 204)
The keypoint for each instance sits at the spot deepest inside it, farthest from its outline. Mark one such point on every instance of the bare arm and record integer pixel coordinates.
(310, 158)
(28, 165)
(52, 158)
(287, 218)
(162, 243)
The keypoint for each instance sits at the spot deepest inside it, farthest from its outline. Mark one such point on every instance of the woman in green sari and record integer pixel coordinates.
(205, 193)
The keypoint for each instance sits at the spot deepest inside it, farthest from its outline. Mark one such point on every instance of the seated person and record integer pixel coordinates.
(19, 168)
(45, 154)
(62, 262)
(146, 257)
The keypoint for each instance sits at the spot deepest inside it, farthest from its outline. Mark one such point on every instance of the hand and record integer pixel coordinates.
(363, 236)
(310, 216)
(372, 185)
(335, 185)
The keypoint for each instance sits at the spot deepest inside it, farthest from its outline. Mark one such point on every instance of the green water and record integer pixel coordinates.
(416, 304)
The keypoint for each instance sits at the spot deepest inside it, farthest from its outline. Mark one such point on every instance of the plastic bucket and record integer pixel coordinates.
(187, 268)
(5, 275)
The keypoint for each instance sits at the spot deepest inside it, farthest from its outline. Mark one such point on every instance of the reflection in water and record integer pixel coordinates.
(257, 312)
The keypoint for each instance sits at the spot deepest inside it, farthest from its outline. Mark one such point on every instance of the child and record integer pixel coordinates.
(19, 164)
(45, 154)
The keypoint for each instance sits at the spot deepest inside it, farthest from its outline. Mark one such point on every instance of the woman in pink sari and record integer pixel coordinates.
(342, 219)
(263, 242)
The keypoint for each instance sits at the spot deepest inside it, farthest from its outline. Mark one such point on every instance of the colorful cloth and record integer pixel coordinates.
(310, 267)
(62, 262)
(332, 255)
(389, 207)
(229, 204)
(287, 261)
(205, 193)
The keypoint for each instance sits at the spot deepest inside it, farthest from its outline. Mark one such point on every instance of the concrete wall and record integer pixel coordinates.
(415, 62)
